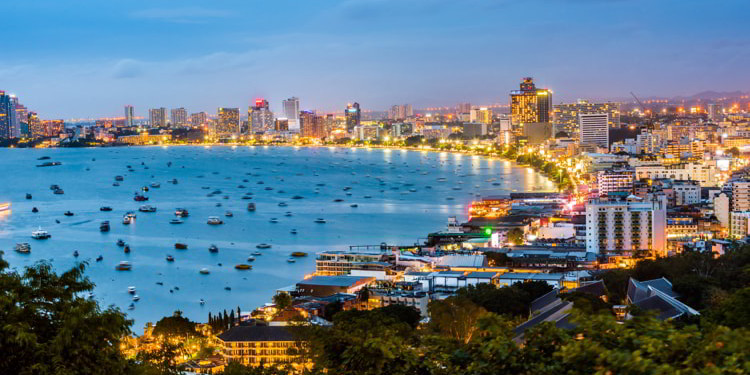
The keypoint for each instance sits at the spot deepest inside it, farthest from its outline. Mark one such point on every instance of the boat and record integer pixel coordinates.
(124, 266)
(263, 246)
(126, 249)
(214, 220)
(140, 198)
(59, 192)
(34, 210)
(28, 196)
(131, 306)
(251, 259)
(291, 260)
(293, 231)
(298, 197)
(202, 302)
(23, 248)
(126, 220)
(68, 213)
(40, 234)
(354, 205)
(274, 220)
(299, 254)
(120, 242)
(181, 212)
(99, 258)
(115, 184)
(213, 249)
(4, 207)
(54, 187)
(227, 288)
(118, 178)
(136, 298)
(228, 214)
(49, 164)
(251, 206)
(104, 226)
(144, 188)
(180, 246)
(170, 258)
(43, 158)
(243, 267)
(320, 220)
(282, 204)
(155, 185)
(204, 271)
(75, 253)
(257, 253)
(175, 221)
(147, 208)
(131, 289)
(105, 208)
(288, 214)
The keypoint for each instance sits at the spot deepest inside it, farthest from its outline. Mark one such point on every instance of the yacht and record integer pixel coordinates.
(204, 271)
(123, 266)
(23, 248)
(170, 258)
(263, 246)
(213, 249)
(214, 220)
(320, 220)
(131, 289)
(147, 208)
(40, 234)
(175, 221)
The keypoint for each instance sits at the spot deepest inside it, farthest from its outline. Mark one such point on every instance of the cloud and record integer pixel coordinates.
(181, 15)
(128, 68)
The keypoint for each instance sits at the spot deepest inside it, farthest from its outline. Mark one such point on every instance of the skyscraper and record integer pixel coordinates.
(228, 122)
(129, 114)
(260, 116)
(530, 104)
(400, 112)
(482, 115)
(36, 127)
(158, 117)
(198, 119)
(291, 111)
(179, 117)
(312, 125)
(566, 115)
(463, 108)
(353, 116)
(6, 112)
(594, 129)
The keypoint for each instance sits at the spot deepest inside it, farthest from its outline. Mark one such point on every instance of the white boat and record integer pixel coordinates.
(131, 289)
(204, 271)
(263, 246)
(147, 208)
(40, 234)
(214, 220)
(126, 220)
(320, 220)
(291, 260)
(257, 253)
(175, 221)
(155, 185)
(4, 207)
(251, 259)
(23, 248)
(228, 214)
(136, 298)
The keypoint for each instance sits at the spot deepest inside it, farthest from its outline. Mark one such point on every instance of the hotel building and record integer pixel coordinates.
(626, 224)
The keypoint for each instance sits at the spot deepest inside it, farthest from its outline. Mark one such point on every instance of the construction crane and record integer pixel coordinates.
(649, 119)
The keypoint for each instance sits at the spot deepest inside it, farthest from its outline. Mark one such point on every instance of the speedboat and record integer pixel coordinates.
(131, 289)
(274, 220)
(257, 253)
(105, 208)
(147, 208)
(175, 221)
(123, 266)
(155, 185)
(263, 246)
(214, 220)
(181, 212)
(68, 213)
(291, 260)
(250, 259)
(243, 267)
(40, 234)
(213, 249)
(136, 298)
(23, 248)
(228, 214)
(170, 258)
(320, 220)
(204, 271)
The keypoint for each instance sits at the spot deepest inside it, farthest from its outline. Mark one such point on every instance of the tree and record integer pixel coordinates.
(235, 368)
(48, 326)
(515, 236)
(455, 317)
(734, 312)
(402, 313)
(175, 325)
(282, 301)
(161, 361)
(330, 310)
(734, 151)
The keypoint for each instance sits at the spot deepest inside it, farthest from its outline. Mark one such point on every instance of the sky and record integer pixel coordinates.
(88, 58)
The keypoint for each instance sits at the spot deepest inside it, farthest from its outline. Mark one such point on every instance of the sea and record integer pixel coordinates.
(400, 197)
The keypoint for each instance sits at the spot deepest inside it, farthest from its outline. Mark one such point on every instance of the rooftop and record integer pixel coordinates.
(258, 333)
(334, 280)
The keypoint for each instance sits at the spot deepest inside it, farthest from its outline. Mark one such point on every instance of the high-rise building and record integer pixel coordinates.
(7, 111)
(158, 117)
(129, 115)
(627, 224)
(615, 180)
(228, 122)
(53, 127)
(281, 125)
(35, 126)
(312, 125)
(594, 129)
(740, 195)
(353, 116)
(179, 117)
(715, 112)
(199, 119)
(291, 111)
(530, 104)
(400, 112)
(463, 108)
(15, 120)
(566, 115)
(481, 114)
(260, 116)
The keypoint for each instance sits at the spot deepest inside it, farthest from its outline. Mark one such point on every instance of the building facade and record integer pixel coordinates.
(261, 345)
(530, 104)
(260, 116)
(179, 117)
(158, 117)
(291, 111)
(630, 224)
(129, 115)
(615, 180)
(228, 122)
(566, 115)
(594, 129)
(353, 116)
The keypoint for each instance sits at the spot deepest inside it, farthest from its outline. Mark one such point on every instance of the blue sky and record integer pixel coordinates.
(88, 58)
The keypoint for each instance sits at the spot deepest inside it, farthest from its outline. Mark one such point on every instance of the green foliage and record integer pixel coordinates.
(175, 325)
(513, 300)
(48, 326)
(162, 360)
(455, 318)
(515, 236)
(234, 368)
(402, 313)
(734, 312)
(331, 309)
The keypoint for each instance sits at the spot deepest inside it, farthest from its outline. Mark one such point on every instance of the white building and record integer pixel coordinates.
(721, 209)
(740, 195)
(291, 111)
(627, 224)
(739, 224)
(594, 128)
(615, 180)
(686, 192)
(705, 173)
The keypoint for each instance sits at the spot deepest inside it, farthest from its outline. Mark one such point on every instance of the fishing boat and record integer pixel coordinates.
(23, 248)
(204, 271)
(214, 220)
(213, 249)
(105, 208)
(124, 266)
(104, 226)
(170, 258)
(40, 234)
(120, 242)
(68, 213)
(147, 208)
(299, 254)
(131, 289)
(180, 246)
(28, 196)
(251, 206)
(140, 198)
(320, 220)
(243, 267)
(263, 246)
(181, 212)
(175, 221)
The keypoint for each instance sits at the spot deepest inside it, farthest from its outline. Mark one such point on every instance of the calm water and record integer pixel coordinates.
(393, 214)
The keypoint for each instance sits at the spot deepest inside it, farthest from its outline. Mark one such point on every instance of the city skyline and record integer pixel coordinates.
(375, 52)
